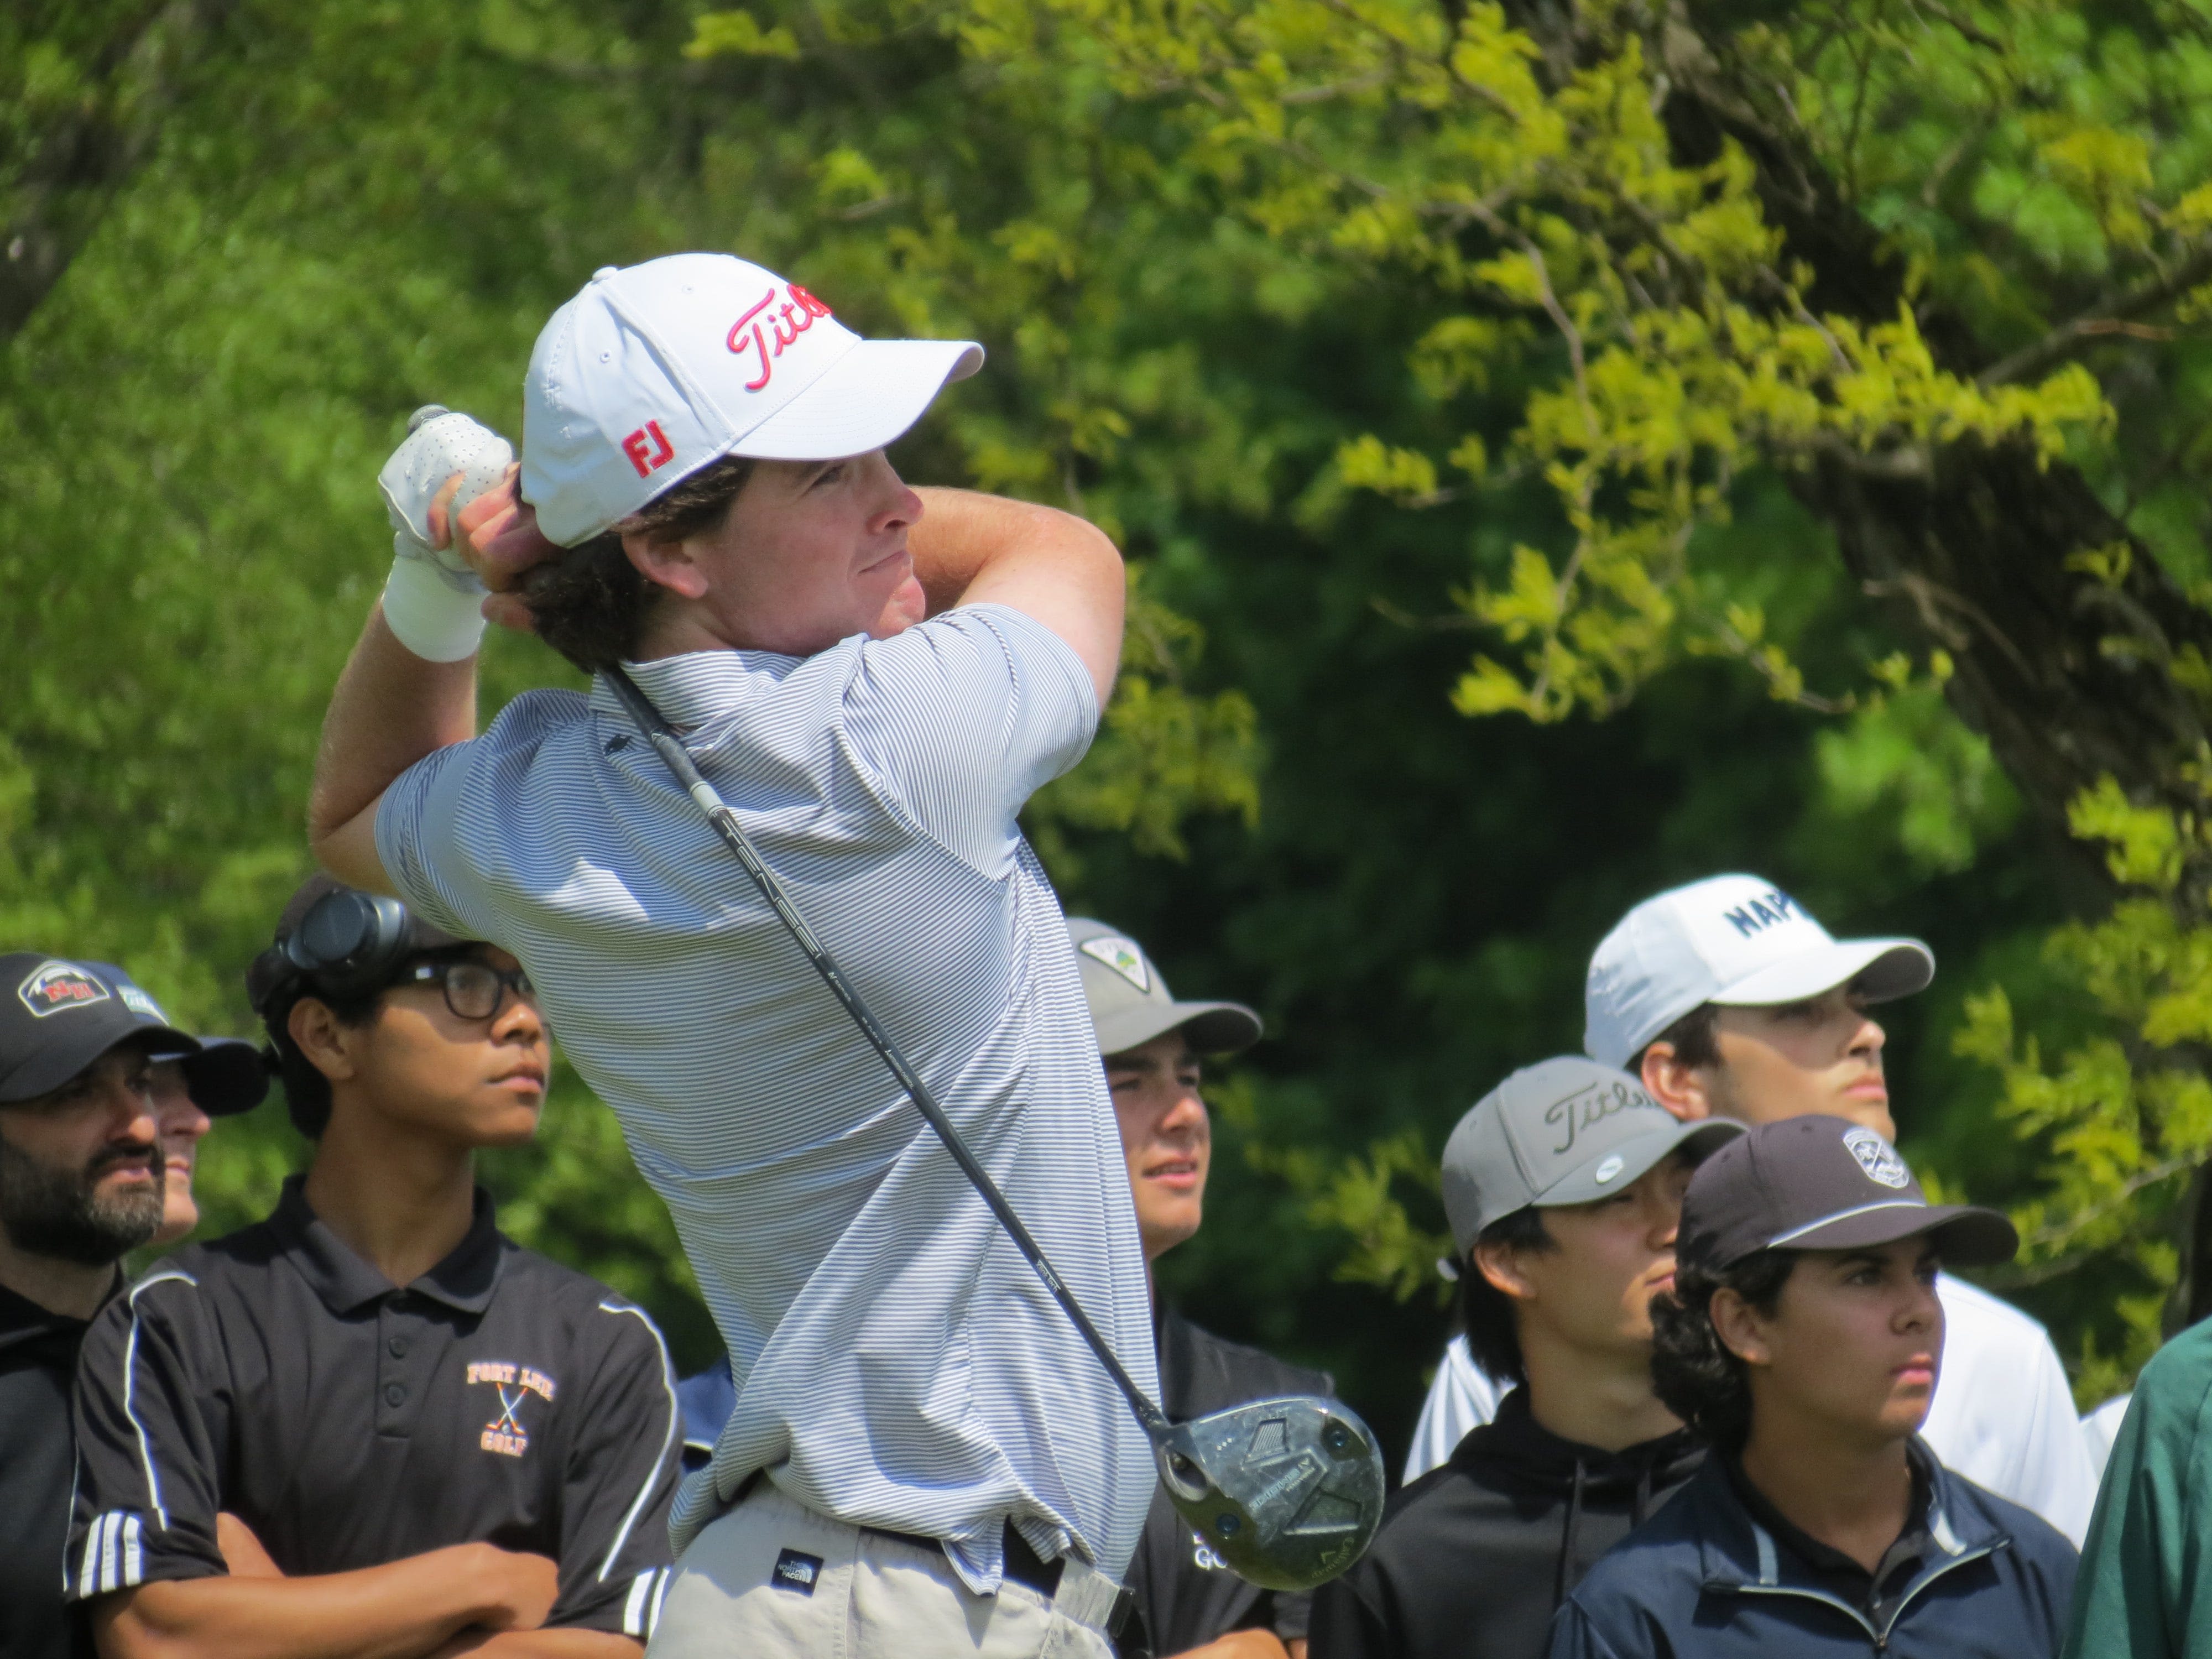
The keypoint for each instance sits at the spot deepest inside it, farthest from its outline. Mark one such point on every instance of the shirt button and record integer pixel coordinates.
(398, 1346)
(395, 1394)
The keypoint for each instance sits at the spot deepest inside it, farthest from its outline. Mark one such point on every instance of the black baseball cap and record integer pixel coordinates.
(1823, 1183)
(57, 1017)
(224, 1075)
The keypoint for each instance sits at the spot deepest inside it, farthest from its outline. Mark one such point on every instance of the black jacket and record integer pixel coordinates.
(1707, 1579)
(37, 1363)
(1473, 1557)
(1187, 1597)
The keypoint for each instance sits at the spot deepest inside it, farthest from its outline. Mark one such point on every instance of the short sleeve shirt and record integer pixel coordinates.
(897, 1364)
(500, 1399)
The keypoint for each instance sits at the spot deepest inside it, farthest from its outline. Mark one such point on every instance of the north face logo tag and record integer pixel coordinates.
(57, 985)
(797, 1571)
(1122, 956)
(1762, 912)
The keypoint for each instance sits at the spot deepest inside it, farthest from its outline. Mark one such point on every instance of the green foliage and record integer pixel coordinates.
(1379, 131)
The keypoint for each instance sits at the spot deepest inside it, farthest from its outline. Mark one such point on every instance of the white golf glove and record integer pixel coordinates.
(433, 599)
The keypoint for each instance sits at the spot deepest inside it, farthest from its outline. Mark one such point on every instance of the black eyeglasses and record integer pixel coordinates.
(473, 989)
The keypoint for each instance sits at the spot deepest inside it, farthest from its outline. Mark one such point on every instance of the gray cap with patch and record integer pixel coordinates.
(1564, 1131)
(1131, 1004)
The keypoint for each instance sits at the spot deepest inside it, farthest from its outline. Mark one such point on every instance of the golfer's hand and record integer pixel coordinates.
(502, 543)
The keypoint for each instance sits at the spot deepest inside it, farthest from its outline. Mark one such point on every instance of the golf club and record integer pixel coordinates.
(1286, 1492)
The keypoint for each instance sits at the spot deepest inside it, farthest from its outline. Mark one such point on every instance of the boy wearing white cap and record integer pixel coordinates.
(922, 1457)
(1729, 1000)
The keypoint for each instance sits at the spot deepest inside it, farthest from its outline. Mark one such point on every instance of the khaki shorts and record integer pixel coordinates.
(772, 1579)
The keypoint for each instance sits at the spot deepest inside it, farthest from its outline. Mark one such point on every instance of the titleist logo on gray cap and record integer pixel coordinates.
(1564, 1131)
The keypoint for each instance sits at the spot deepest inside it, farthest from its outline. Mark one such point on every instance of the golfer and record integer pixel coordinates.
(1726, 998)
(922, 1457)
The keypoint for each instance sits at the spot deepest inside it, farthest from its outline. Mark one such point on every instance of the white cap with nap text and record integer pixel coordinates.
(1738, 940)
(654, 371)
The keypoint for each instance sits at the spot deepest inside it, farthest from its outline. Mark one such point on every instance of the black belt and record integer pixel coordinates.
(1024, 1564)
(1026, 1567)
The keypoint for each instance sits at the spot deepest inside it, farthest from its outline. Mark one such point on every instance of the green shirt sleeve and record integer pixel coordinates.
(2145, 1590)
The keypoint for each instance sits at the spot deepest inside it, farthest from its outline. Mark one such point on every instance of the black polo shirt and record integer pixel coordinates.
(1187, 1597)
(500, 1398)
(37, 1362)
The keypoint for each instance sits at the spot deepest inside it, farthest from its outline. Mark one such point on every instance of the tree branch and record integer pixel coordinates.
(2109, 317)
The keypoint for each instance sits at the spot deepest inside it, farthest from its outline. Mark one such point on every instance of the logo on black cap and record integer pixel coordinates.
(1878, 1158)
(56, 986)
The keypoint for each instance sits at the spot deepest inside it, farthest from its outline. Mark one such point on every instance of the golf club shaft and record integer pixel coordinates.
(670, 749)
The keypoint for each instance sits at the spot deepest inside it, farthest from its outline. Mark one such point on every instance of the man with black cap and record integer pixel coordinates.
(80, 1183)
(1802, 1342)
(1150, 1046)
(1564, 1187)
(372, 1424)
(1726, 999)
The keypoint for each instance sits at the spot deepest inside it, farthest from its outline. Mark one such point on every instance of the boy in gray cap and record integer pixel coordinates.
(1729, 1000)
(1564, 1186)
(1150, 1045)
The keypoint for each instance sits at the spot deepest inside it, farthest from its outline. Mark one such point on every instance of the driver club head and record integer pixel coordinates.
(1286, 1493)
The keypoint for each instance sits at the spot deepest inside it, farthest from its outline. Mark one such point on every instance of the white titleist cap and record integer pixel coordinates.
(1732, 939)
(655, 370)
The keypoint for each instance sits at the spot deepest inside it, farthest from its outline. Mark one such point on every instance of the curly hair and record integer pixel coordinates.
(589, 603)
(1491, 1317)
(1692, 1373)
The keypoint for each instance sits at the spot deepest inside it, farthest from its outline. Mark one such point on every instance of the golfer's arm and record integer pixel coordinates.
(403, 1610)
(542, 1645)
(390, 710)
(973, 550)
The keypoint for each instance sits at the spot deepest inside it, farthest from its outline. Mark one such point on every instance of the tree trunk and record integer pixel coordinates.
(2069, 675)
(58, 179)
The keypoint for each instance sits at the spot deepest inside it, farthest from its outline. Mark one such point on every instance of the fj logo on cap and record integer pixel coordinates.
(648, 449)
(57, 985)
(1878, 1158)
(1122, 956)
(1762, 912)
(797, 1571)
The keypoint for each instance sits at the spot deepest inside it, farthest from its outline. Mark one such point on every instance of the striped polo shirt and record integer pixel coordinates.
(897, 1365)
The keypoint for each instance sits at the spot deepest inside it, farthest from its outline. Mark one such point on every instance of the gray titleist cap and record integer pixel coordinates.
(1566, 1131)
(1131, 1004)
(1738, 940)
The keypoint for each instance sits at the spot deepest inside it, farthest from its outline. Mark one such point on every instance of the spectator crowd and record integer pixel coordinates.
(1713, 1391)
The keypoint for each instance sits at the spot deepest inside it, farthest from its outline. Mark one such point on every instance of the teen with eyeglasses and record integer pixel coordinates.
(371, 1424)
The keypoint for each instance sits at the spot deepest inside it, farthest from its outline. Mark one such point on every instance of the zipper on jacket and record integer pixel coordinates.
(1878, 1638)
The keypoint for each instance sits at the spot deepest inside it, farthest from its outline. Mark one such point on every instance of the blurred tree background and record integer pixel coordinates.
(1563, 450)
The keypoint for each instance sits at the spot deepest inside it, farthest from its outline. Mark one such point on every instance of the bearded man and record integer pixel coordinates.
(81, 1184)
